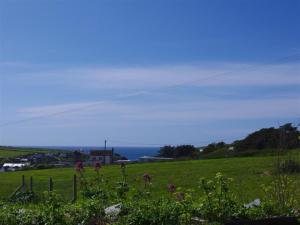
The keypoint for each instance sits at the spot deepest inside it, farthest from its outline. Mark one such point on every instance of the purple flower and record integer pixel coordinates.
(97, 166)
(79, 166)
(147, 178)
(171, 188)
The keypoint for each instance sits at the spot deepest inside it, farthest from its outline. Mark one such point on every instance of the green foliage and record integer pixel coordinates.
(52, 212)
(153, 212)
(261, 142)
(179, 151)
(218, 203)
(280, 198)
(22, 197)
(285, 136)
(213, 147)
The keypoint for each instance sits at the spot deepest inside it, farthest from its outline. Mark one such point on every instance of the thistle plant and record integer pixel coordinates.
(122, 186)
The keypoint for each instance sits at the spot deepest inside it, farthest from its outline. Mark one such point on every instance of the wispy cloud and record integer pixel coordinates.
(137, 82)
(141, 78)
(171, 113)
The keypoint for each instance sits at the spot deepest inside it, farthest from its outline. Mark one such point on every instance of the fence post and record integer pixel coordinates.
(23, 183)
(50, 184)
(74, 188)
(31, 184)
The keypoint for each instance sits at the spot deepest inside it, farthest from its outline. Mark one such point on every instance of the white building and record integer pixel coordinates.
(14, 166)
(102, 156)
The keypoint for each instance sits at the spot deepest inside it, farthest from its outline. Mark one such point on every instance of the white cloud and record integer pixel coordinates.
(84, 112)
(143, 78)
(141, 81)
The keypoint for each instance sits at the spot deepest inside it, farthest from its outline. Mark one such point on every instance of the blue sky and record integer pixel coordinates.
(146, 72)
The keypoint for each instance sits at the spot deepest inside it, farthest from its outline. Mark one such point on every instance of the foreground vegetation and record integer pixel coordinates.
(179, 192)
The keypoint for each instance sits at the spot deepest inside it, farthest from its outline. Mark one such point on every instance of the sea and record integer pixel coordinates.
(131, 153)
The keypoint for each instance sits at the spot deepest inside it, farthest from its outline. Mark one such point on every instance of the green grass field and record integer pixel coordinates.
(248, 173)
(12, 152)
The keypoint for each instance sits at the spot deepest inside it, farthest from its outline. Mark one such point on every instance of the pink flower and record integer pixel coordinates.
(79, 166)
(172, 188)
(147, 178)
(97, 166)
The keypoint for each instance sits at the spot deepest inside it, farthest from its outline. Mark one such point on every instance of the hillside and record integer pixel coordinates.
(12, 152)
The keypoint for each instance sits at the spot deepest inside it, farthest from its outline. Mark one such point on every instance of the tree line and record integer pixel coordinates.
(283, 137)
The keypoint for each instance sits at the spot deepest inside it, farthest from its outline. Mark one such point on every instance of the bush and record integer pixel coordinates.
(218, 203)
(152, 212)
(53, 212)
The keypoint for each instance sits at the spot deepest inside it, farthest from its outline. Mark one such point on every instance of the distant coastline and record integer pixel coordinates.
(132, 153)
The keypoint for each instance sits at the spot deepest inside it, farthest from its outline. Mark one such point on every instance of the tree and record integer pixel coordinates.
(178, 151)
(185, 151)
(285, 137)
(214, 146)
(167, 151)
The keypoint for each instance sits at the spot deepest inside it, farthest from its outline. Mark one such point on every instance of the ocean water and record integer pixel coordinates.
(131, 153)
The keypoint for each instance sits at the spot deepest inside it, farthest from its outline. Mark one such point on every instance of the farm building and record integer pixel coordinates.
(102, 156)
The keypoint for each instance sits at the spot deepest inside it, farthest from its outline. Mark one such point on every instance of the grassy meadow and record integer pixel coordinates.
(13, 152)
(249, 173)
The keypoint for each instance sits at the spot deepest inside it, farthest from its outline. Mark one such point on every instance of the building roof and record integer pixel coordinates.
(101, 152)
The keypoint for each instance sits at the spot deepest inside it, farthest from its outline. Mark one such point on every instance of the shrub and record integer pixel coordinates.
(153, 212)
(218, 203)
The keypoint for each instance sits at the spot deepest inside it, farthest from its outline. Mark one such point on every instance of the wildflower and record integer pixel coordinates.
(147, 178)
(97, 166)
(79, 166)
(171, 188)
(180, 196)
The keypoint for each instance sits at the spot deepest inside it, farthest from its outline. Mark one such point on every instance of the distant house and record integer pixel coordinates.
(102, 156)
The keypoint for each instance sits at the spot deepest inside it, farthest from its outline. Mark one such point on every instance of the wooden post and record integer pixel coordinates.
(31, 184)
(23, 183)
(74, 188)
(50, 184)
